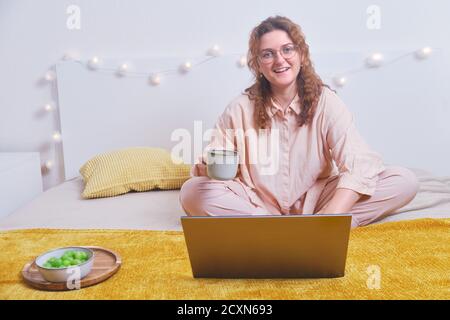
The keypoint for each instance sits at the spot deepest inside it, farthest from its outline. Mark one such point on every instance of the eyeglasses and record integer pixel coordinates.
(287, 51)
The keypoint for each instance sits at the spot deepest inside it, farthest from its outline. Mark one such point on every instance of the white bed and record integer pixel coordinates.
(63, 207)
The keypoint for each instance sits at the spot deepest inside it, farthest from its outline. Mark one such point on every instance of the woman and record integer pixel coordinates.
(323, 164)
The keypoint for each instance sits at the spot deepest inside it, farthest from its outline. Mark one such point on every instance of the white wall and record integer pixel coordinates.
(33, 36)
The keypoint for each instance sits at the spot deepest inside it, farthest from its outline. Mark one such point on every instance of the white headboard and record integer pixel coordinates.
(100, 111)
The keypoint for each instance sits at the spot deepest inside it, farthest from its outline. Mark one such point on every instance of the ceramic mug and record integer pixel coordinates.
(222, 164)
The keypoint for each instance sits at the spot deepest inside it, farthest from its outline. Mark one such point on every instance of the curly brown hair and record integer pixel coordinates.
(309, 83)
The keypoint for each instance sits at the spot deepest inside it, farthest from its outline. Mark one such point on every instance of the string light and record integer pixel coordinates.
(214, 51)
(423, 53)
(49, 164)
(57, 137)
(48, 107)
(50, 75)
(155, 80)
(123, 69)
(242, 61)
(340, 81)
(374, 60)
(94, 62)
(186, 67)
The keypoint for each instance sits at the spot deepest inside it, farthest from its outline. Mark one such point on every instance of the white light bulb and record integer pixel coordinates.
(214, 51)
(57, 137)
(50, 75)
(340, 81)
(375, 60)
(49, 164)
(94, 62)
(48, 107)
(424, 53)
(186, 67)
(155, 80)
(123, 69)
(242, 61)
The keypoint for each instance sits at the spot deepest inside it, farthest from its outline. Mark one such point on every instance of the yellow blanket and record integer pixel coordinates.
(399, 260)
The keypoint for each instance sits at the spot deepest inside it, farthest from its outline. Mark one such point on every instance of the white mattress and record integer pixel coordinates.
(63, 207)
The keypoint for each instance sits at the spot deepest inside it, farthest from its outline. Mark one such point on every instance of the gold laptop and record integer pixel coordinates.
(294, 246)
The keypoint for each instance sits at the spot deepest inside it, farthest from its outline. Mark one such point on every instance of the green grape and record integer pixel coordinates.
(69, 258)
(75, 262)
(79, 255)
(57, 263)
(51, 260)
(66, 263)
(66, 255)
(84, 255)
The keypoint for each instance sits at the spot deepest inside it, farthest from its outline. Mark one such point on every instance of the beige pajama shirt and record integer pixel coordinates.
(296, 170)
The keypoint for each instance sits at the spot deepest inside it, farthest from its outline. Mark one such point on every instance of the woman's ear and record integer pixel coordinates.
(260, 74)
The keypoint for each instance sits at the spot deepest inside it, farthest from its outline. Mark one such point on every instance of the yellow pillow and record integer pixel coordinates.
(137, 168)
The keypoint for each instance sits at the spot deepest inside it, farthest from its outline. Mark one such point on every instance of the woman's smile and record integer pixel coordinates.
(282, 70)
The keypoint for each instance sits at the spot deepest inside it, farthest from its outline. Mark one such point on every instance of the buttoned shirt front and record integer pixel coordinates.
(286, 168)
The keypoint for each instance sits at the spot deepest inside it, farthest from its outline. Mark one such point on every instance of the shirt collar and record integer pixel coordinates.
(275, 107)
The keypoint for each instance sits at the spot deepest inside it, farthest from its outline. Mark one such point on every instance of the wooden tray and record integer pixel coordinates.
(106, 263)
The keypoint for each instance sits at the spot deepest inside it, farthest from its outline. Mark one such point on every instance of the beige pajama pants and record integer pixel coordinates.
(202, 196)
